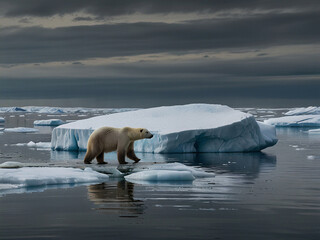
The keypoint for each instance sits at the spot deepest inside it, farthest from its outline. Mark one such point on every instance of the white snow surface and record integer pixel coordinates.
(21, 130)
(176, 129)
(161, 175)
(49, 122)
(295, 121)
(304, 111)
(41, 176)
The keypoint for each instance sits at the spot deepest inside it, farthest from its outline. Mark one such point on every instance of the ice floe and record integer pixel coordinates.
(49, 122)
(40, 176)
(295, 121)
(161, 175)
(175, 167)
(176, 129)
(166, 172)
(21, 130)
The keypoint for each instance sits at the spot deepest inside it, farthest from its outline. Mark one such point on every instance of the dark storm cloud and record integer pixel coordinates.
(36, 44)
(44, 8)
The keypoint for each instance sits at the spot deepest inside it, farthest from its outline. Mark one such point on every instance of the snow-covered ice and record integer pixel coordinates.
(176, 129)
(295, 121)
(161, 175)
(21, 130)
(40, 176)
(48, 122)
(304, 111)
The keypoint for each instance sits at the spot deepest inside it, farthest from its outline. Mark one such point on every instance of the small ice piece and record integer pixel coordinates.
(314, 131)
(11, 164)
(176, 129)
(21, 130)
(49, 122)
(2, 120)
(311, 157)
(161, 175)
(39, 144)
(295, 121)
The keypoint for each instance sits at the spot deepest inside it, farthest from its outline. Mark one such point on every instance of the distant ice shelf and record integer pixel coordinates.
(177, 129)
(61, 110)
(304, 111)
(295, 121)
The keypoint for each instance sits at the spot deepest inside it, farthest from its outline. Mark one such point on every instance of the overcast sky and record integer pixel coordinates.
(150, 53)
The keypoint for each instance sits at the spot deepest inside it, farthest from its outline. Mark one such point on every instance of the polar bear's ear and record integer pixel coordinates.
(141, 130)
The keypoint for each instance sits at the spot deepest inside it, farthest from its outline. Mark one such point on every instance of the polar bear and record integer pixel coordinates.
(108, 139)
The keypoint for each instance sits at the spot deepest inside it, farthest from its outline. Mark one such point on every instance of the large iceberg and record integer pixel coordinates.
(176, 129)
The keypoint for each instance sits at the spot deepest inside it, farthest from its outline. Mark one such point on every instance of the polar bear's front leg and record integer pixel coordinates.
(131, 154)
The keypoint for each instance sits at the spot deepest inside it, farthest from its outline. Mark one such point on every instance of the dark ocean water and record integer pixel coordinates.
(273, 194)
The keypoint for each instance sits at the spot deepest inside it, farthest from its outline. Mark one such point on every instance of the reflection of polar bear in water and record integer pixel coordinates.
(116, 198)
(108, 139)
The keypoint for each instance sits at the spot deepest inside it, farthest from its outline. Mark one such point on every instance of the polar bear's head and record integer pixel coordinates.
(144, 133)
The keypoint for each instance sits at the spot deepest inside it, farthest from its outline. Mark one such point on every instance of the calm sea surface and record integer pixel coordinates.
(273, 194)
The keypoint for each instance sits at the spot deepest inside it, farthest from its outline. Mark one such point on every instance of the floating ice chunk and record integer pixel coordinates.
(176, 167)
(21, 130)
(304, 111)
(11, 164)
(35, 145)
(176, 129)
(295, 121)
(314, 131)
(48, 122)
(2, 120)
(38, 176)
(161, 175)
